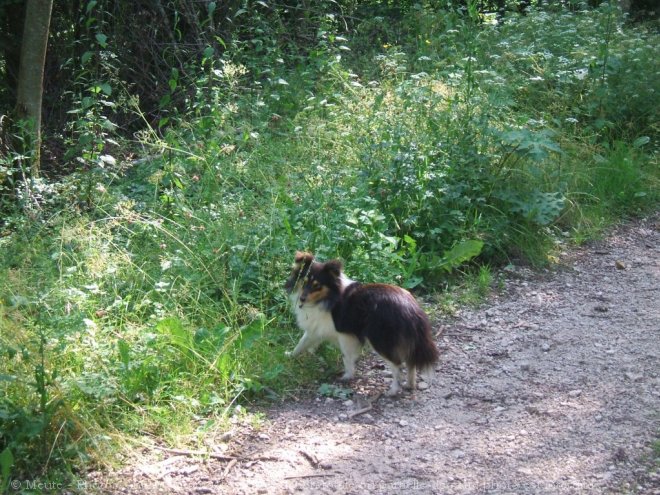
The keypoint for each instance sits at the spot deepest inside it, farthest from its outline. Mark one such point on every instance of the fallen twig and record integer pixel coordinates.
(201, 453)
(365, 409)
(213, 455)
(229, 467)
(308, 476)
(368, 407)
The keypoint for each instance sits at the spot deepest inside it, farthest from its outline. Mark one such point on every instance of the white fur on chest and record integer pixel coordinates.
(314, 320)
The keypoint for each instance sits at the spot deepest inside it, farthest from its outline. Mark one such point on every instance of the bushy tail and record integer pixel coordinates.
(424, 353)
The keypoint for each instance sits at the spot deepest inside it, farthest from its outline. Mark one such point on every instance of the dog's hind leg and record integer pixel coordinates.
(395, 386)
(412, 377)
(350, 347)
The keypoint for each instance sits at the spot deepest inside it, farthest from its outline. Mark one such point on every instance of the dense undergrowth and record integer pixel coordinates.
(144, 297)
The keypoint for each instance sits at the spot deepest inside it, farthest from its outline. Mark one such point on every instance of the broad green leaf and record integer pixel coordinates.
(86, 57)
(6, 463)
(102, 40)
(460, 253)
(251, 332)
(178, 334)
(412, 282)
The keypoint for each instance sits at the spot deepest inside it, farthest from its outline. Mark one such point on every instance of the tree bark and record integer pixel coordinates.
(31, 72)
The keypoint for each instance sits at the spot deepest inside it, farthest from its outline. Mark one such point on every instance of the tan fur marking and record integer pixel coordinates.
(318, 295)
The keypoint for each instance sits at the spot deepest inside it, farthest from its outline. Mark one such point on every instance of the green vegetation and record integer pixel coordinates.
(141, 293)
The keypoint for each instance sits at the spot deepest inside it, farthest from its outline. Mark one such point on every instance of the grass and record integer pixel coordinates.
(147, 299)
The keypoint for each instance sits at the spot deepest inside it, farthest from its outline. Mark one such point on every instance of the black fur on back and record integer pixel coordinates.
(385, 315)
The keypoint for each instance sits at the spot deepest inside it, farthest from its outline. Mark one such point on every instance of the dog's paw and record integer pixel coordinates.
(288, 354)
(346, 377)
(394, 389)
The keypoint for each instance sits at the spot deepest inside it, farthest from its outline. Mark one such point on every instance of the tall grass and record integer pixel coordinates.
(146, 298)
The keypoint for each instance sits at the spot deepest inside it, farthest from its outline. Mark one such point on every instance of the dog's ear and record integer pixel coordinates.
(302, 262)
(333, 267)
(303, 258)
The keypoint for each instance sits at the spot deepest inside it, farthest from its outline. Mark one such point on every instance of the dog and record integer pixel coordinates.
(331, 307)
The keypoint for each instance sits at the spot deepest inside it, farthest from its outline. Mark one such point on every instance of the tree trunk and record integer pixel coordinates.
(31, 71)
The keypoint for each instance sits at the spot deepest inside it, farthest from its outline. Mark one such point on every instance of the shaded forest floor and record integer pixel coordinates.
(551, 387)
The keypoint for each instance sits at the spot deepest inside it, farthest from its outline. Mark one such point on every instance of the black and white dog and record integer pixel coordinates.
(331, 307)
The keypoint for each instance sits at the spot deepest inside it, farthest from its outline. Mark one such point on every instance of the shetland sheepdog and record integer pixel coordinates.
(331, 307)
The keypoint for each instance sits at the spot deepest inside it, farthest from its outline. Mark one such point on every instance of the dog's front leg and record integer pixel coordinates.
(306, 343)
(350, 347)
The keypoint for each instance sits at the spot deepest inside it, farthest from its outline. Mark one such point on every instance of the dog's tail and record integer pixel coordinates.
(424, 353)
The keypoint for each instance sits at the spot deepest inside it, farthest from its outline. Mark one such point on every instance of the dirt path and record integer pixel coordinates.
(551, 388)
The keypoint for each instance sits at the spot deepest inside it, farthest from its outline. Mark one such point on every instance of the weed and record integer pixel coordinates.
(333, 391)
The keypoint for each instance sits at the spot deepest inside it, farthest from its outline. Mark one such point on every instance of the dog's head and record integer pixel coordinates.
(322, 283)
(312, 282)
